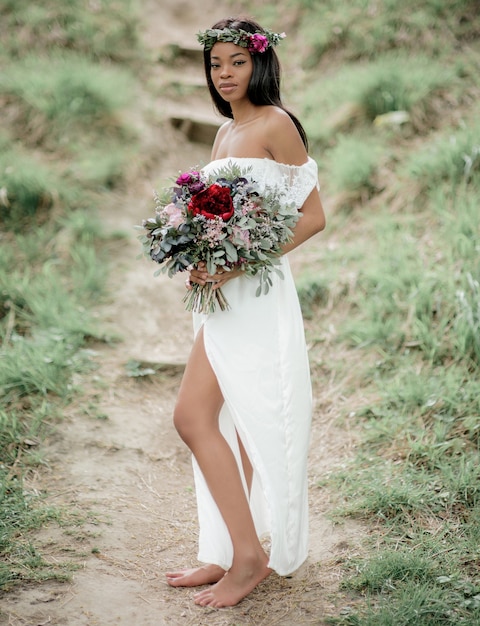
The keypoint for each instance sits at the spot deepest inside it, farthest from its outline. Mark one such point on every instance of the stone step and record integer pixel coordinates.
(196, 130)
(139, 367)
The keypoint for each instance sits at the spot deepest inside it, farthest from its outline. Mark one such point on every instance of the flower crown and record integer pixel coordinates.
(254, 42)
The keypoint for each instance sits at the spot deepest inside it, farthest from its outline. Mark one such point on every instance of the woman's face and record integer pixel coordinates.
(231, 68)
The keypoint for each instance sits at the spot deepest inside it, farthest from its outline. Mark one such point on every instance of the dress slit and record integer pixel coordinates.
(258, 353)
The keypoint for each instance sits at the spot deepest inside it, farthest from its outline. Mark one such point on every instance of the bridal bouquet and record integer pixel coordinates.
(222, 220)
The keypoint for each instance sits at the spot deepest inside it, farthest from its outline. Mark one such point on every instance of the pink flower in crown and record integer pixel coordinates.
(258, 43)
(174, 214)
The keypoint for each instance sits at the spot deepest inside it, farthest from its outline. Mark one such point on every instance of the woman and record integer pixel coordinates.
(244, 404)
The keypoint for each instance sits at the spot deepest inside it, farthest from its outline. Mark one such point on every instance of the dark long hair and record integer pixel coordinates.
(264, 86)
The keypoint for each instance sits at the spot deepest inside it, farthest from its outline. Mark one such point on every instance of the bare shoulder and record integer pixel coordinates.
(284, 141)
(219, 137)
(275, 115)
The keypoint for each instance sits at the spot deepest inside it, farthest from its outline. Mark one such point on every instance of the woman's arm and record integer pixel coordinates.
(311, 222)
(286, 146)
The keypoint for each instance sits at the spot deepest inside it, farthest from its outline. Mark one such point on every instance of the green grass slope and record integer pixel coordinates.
(389, 92)
(66, 72)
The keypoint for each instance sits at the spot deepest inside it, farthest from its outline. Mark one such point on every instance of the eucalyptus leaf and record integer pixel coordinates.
(231, 251)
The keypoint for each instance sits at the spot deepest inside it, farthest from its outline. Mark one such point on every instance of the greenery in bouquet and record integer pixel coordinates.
(222, 220)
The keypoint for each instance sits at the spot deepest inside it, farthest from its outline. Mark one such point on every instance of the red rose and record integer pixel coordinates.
(214, 201)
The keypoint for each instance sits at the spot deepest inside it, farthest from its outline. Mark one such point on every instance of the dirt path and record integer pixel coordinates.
(123, 466)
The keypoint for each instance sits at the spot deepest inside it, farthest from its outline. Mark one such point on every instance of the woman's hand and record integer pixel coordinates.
(201, 276)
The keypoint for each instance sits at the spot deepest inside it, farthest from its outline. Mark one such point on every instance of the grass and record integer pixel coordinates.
(67, 75)
(390, 107)
(106, 30)
(353, 164)
(76, 99)
(366, 30)
(394, 311)
(419, 604)
(312, 292)
(31, 188)
(100, 168)
(358, 118)
(452, 156)
(45, 329)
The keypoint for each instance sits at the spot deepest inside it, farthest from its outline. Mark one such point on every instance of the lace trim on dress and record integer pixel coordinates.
(296, 180)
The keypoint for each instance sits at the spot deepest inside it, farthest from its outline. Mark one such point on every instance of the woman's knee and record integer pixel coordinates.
(193, 423)
(182, 421)
(188, 423)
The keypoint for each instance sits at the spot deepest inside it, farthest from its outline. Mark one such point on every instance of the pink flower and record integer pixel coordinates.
(174, 214)
(187, 177)
(258, 43)
(243, 235)
(192, 181)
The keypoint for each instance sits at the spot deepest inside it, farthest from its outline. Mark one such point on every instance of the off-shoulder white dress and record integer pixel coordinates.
(257, 350)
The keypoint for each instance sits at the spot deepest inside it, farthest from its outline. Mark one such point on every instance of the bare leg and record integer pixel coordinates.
(196, 419)
(208, 574)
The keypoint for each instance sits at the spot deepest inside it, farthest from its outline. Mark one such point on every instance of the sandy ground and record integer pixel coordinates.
(122, 466)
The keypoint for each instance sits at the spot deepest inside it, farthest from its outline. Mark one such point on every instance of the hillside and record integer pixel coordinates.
(102, 104)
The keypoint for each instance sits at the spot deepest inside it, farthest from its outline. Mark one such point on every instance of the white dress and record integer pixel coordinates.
(257, 350)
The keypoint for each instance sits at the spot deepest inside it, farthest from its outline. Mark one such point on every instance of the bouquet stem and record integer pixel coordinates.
(204, 299)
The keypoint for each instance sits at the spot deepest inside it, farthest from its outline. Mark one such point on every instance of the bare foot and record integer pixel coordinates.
(195, 577)
(235, 585)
